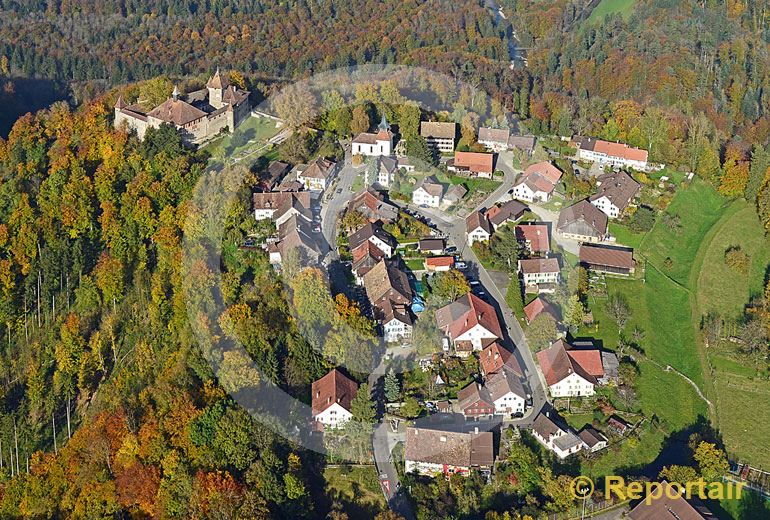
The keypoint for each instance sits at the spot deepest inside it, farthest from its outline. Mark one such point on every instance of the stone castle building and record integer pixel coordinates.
(199, 115)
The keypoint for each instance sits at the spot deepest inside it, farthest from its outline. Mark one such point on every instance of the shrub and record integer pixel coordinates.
(737, 259)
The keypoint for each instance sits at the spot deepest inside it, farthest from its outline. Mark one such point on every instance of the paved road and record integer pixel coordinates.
(383, 438)
(454, 228)
(330, 210)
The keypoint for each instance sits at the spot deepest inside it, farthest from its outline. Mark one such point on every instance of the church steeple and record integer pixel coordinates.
(384, 126)
(119, 104)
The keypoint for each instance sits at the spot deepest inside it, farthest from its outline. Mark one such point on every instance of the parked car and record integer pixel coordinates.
(461, 265)
(451, 249)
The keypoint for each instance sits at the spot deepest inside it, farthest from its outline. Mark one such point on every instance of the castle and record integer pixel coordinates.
(199, 115)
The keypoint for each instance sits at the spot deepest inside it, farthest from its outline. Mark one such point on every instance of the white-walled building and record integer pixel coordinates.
(318, 174)
(615, 193)
(428, 192)
(331, 398)
(537, 182)
(507, 393)
(435, 452)
(569, 371)
(439, 136)
(374, 145)
(617, 155)
(539, 272)
(478, 228)
(557, 438)
(470, 323)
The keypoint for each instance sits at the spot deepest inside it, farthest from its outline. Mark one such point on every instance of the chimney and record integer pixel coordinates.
(443, 438)
(476, 430)
(548, 414)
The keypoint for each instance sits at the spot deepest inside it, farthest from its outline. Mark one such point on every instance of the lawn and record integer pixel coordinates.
(357, 487)
(605, 7)
(698, 207)
(474, 184)
(738, 388)
(624, 236)
(720, 288)
(252, 131)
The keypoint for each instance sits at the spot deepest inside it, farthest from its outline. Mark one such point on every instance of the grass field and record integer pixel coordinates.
(624, 236)
(698, 207)
(605, 7)
(253, 130)
(357, 487)
(721, 288)
(739, 389)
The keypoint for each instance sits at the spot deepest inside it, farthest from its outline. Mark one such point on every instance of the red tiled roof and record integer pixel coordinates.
(533, 309)
(465, 313)
(440, 261)
(539, 265)
(620, 150)
(495, 357)
(560, 360)
(332, 388)
(475, 161)
(536, 235)
(176, 111)
(547, 170)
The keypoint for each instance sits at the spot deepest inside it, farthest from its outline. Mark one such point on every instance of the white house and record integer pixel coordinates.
(386, 171)
(617, 155)
(569, 371)
(439, 136)
(331, 398)
(560, 440)
(539, 272)
(537, 182)
(374, 145)
(318, 174)
(478, 227)
(507, 393)
(593, 439)
(470, 323)
(494, 139)
(615, 193)
(428, 192)
(280, 206)
(396, 322)
(376, 234)
(436, 452)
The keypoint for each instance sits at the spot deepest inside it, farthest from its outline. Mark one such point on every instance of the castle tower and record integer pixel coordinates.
(216, 87)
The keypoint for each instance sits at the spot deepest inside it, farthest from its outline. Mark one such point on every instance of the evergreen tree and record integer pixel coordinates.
(392, 387)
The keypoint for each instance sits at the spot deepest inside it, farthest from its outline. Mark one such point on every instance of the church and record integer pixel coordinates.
(199, 115)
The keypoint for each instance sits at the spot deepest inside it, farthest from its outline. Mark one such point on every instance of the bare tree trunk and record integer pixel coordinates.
(10, 456)
(39, 323)
(16, 443)
(1, 453)
(69, 431)
(53, 422)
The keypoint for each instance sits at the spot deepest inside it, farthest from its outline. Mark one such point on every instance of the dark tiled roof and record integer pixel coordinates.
(332, 388)
(581, 215)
